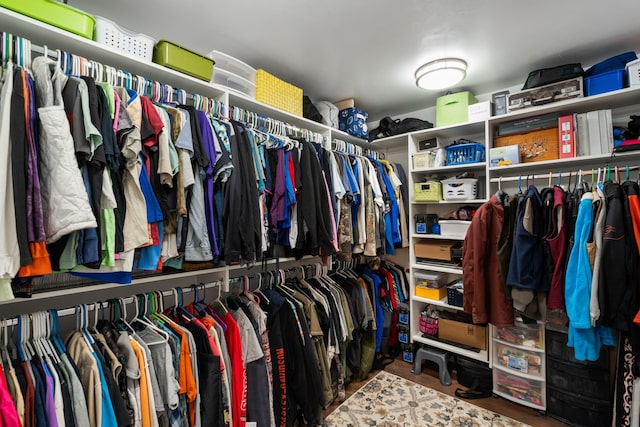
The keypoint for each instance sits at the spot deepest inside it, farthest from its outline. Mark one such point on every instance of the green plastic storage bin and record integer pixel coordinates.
(53, 13)
(181, 59)
(452, 109)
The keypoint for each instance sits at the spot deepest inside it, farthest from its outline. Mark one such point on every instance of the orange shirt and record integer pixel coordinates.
(145, 407)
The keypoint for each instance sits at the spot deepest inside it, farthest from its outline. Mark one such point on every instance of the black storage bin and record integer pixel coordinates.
(577, 410)
(593, 383)
(556, 347)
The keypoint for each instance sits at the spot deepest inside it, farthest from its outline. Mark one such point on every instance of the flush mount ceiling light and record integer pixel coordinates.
(441, 73)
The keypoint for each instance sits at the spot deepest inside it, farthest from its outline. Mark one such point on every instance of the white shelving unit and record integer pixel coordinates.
(622, 103)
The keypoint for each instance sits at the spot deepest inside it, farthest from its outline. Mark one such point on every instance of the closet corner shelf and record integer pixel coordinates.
(509, 371)
(439, 303)
(482, 355)
(558, 165)
(437, 267)
(436, 236)
(454, 168)
(520, 347)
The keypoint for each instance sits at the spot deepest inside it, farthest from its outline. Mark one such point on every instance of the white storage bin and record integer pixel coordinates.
(459, 188)
(111, 34)
(453, 227)
(234, 82)
(633, 70)
(234, 66)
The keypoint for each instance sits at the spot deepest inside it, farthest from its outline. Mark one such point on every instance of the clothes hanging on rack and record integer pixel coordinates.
(275, 356)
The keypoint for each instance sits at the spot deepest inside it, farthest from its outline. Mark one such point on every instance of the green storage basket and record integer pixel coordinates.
(54, 13)
(181, 59)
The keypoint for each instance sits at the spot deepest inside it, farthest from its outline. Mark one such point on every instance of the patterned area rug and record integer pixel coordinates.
(392, 401)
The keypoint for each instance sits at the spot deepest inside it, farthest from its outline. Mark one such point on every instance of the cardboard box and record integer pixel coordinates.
(440, 250)
(534, 146)
(431, 293)
(452, 109)
(463, 333)
(479, 111)
(347, 103)
(504, 156)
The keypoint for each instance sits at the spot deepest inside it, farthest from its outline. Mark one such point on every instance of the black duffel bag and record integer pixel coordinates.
(476, 376)
(390, 127)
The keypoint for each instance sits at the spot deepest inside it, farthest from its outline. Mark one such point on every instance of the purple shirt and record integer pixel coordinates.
(208, 143)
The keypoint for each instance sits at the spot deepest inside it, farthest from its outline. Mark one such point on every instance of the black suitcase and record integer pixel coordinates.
(546, 76)
(566, 89)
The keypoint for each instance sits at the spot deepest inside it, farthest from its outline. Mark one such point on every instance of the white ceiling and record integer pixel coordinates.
(370, 49)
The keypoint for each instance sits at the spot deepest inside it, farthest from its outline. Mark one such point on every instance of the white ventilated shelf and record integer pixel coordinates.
(519, 347)
(439, 303)
(481, 355)
(437, 267)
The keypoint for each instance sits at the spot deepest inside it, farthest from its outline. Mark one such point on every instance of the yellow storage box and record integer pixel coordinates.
(278, 93)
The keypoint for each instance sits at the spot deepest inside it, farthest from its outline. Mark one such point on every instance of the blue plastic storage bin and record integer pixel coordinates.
(605, 82)
(462, 154)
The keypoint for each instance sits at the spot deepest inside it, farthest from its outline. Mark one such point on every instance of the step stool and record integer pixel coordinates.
(434, 355)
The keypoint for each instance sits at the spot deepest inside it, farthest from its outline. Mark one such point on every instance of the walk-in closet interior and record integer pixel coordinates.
(247, 213)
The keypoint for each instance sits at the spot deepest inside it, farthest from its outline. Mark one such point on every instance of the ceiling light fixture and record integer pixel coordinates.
(441, 73)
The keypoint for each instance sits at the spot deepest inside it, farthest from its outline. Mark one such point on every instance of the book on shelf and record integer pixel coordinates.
(593, 133)
(528, 124)
(566, 136)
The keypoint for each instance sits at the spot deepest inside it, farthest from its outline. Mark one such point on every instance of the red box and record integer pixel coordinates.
(567, 136)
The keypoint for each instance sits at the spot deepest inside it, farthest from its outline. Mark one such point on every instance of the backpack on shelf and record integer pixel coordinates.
(390, 127)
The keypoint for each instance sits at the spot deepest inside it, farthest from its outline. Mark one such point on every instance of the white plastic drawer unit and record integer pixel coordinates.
(234, 66)
(234, 82)
(528, 391)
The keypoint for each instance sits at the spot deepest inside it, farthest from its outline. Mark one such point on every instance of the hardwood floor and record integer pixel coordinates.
(429, 378)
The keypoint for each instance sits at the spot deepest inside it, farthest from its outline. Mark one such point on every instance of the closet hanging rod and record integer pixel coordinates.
(563, 175)
(128, 300)
(198, 101)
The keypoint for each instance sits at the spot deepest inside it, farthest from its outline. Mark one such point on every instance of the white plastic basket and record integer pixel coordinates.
(111, 34)
(459, 189)
(633, 71)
